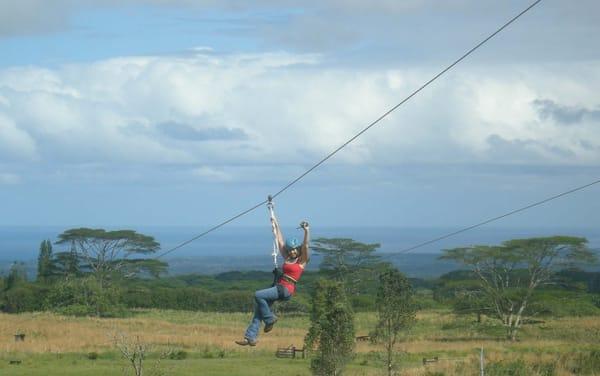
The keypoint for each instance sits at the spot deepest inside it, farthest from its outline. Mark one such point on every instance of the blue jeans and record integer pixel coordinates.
(263, 299)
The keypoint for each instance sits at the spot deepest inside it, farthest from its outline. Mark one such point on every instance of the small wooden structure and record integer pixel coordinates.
(363, 338)
(19, 337)
(430, 360)
(289, 352)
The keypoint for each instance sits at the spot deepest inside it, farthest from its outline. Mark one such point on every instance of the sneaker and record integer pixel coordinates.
(246, 342)
(269, 326)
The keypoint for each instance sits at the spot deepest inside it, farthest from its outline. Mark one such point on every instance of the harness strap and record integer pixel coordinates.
(289, 279)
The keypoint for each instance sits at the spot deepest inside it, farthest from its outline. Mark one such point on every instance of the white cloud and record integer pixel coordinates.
(277, 109)
(15, 143)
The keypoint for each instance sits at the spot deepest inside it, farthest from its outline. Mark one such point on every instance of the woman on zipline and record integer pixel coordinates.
(295, 255)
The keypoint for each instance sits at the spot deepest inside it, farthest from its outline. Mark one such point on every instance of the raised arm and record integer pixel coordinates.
(304, 254)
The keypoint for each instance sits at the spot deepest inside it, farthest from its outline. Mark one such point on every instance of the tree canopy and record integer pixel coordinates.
(509, 274)
(348, 261)
(111, 252)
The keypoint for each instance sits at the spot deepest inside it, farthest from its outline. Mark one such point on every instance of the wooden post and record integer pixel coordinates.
(481, 362)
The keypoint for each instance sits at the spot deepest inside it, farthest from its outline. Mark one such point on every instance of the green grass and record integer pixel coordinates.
(110, 364)
(571, 342)
(251, 363)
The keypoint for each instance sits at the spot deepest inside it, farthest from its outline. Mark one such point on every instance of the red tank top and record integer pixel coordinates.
(294, 271)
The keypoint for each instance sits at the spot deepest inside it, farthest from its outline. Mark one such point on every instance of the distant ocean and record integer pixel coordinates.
(18, 243)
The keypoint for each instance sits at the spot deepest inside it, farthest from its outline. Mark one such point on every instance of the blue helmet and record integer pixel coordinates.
(292, 243)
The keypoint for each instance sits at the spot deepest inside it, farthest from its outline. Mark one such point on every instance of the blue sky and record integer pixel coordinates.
(184, 113)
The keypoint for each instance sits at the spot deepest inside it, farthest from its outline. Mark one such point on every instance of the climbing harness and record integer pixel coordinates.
(290, 243)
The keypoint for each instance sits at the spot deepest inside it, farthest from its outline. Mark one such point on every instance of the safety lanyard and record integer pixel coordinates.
(270, 207)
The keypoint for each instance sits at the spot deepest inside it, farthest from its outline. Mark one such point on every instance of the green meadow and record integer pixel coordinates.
(193, 343)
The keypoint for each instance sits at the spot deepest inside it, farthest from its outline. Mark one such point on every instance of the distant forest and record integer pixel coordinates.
(108, 273)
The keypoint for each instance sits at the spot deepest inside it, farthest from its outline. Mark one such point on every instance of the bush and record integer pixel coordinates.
(75, 310)
(210, 353)
(557, 303)
(363, 303)
(84, 297)
(178, 355)
(24, 297)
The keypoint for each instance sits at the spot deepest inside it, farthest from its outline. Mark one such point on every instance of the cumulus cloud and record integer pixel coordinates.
(15, 143)
(282, 112)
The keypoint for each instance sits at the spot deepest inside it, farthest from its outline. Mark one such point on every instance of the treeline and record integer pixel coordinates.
(108, 273)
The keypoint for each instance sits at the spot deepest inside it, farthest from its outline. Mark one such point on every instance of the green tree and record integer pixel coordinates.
(462, 289)
(84, 297)
(332, 329)
(509, 274)
(23, 298)
(395, 309)
(110, 254)
(16, 275)
(45, 261)
(348, 261)
(67, 263)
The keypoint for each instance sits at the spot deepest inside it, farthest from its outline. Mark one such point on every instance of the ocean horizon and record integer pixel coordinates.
(21, 243)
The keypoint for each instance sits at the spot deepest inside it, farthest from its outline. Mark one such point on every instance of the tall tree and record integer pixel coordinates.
(67, 263)
(332, 329)
(110, 253)
(509, 274)
(395, 309)
(45, 264)
(347, 260)
(16, 275)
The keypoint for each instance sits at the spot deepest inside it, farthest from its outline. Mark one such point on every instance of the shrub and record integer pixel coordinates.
(84, 297)
(178, 355)
(210, 353)
(23, 298)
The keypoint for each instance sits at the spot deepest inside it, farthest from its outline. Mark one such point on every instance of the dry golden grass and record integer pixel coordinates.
(437, 333)
(46, 332)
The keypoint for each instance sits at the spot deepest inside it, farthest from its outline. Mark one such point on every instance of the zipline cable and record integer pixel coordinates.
(496, 218)
(327, 157)
(212, 229)
(408, 97)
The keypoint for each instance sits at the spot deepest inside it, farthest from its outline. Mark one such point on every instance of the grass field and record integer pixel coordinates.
(57, 345)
